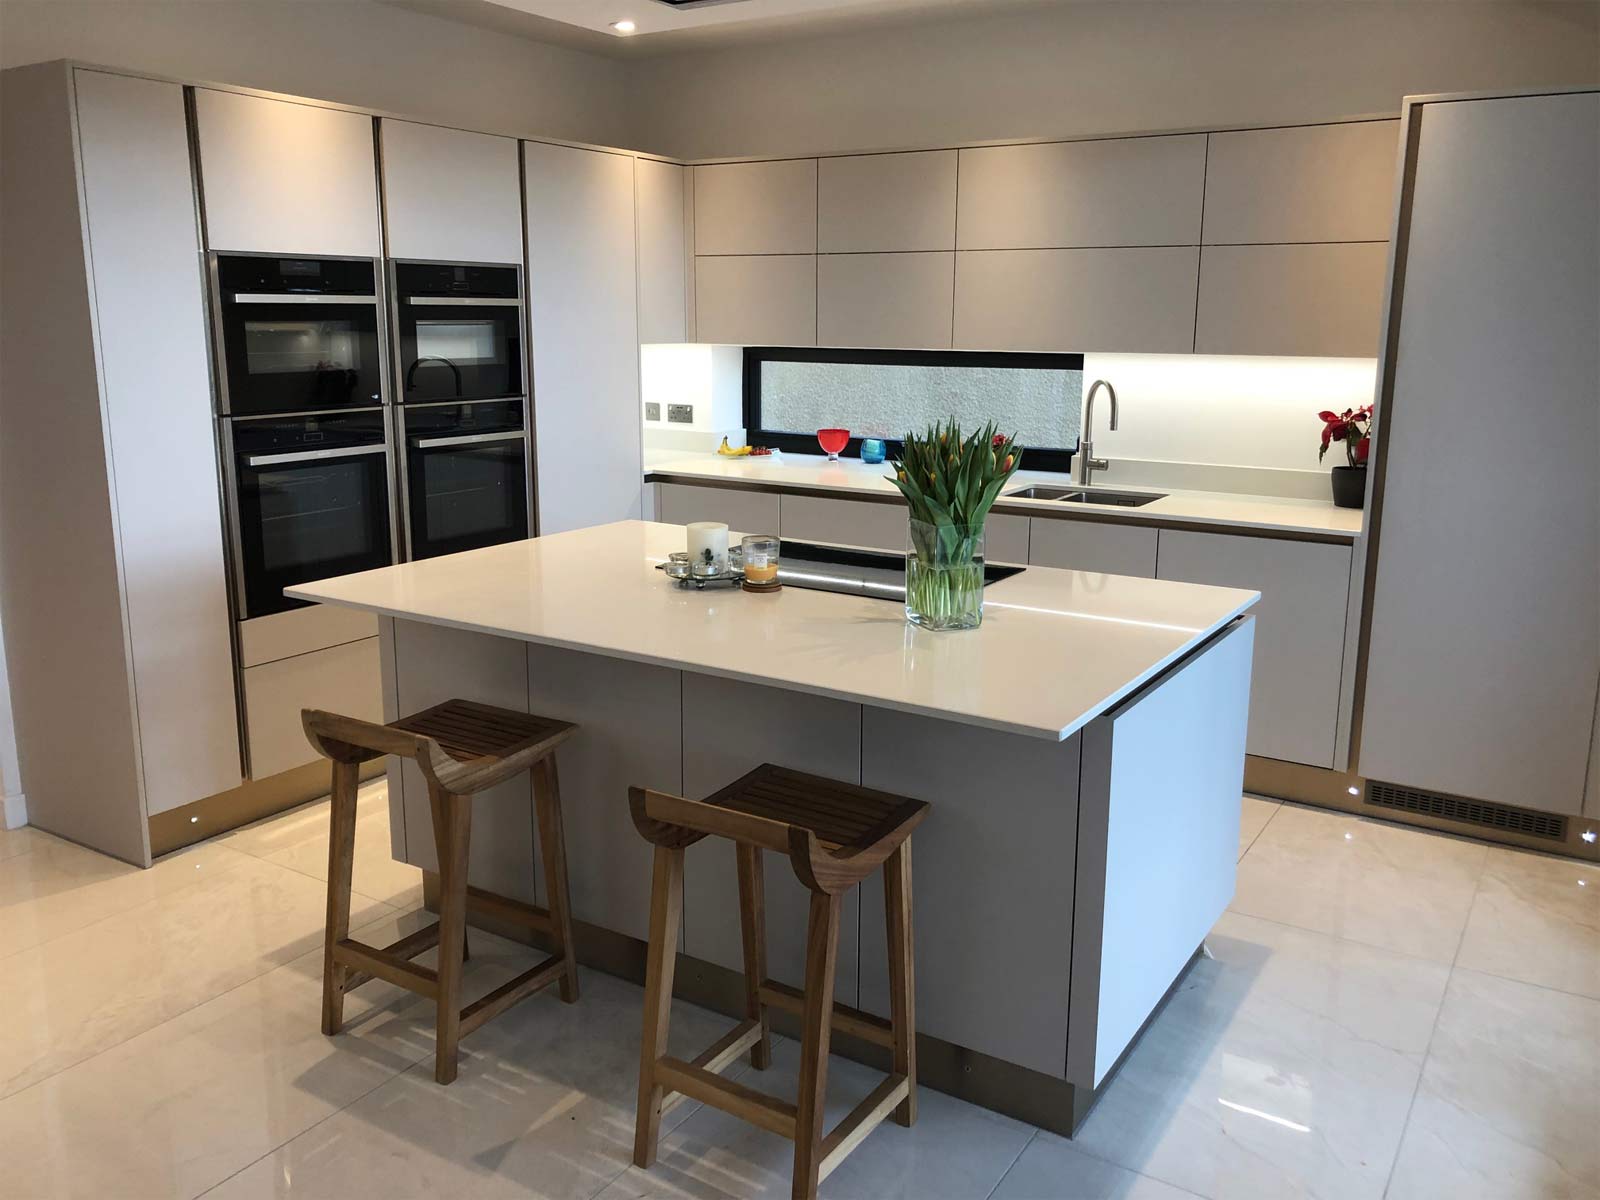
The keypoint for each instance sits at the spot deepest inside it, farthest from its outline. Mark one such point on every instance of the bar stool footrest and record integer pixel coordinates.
(392, 965)
(846, 1020)
(861, 1120)
(492, 904)
(507, 994)
(732, 1097)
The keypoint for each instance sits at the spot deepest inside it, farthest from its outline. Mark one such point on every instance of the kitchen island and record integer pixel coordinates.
(1083, 753)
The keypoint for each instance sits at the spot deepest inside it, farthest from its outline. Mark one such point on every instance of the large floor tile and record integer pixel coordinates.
(543, 1107)
(57, 887)
(1051, 1168)
(1401, 889)
(177, 1109)
(954, 1149)
(1536, 919)
(88, 990)
(1509, 1107)
(18, 841)
(1281, 1068)
(1254, 813)
(307, 822)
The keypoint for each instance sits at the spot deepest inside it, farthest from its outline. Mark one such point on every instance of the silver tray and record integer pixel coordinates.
(732, 577)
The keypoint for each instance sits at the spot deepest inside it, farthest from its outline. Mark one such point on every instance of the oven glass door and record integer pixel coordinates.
(456, 348)
(301, 354)
(466, 476)
(313, 502)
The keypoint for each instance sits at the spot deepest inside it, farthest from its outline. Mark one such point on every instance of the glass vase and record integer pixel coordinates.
(944, 576)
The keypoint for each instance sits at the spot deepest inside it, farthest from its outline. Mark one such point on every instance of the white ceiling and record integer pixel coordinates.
(586, 24)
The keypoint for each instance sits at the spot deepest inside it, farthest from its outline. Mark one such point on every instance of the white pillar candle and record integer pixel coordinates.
(708, 537)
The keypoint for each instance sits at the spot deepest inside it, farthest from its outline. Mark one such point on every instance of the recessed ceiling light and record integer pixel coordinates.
(624, 26)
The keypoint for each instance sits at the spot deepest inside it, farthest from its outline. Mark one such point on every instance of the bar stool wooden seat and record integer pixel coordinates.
(462, 748)
(834, 834)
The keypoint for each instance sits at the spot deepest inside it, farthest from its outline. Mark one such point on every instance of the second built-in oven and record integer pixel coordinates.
(458, 331)
(464, 470)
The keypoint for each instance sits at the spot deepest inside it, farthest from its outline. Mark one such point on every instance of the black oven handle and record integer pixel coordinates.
(298, 298)
(469, 439)
(300, 456)
(465, 301)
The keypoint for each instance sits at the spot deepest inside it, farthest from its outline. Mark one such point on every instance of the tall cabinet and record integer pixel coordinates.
(116, 611)
(1483, 658)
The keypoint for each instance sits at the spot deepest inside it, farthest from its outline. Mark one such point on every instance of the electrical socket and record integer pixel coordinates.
(680, 414)
(652, 410)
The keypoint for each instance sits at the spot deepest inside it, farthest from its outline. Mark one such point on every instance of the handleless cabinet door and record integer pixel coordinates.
(900, 301)
(150, 325)
(451, 195)
(1104, 547)
(1138, 300)
(582, 314)
(1321, 301)
(1311, 183)
(761, 299)
(887, 202)
(756, 208)
(740, 510)
(1117, 192)
(1300, 625)
(864, 523)
(663, 251)
(286, 178)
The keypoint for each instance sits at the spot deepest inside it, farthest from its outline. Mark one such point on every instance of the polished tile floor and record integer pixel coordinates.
(1387, 1013)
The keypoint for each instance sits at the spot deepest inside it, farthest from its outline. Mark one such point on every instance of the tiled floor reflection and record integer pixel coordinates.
(1386, 1013)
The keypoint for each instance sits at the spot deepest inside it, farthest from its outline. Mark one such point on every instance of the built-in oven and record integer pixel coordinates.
(464, 475)
(458, 331)
(297, 334)
(309, 498)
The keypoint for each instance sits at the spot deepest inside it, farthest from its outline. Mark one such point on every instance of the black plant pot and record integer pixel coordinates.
(1350, 486)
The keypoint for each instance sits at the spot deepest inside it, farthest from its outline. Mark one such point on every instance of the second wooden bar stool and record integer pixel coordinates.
(462, 748)
(834, 834)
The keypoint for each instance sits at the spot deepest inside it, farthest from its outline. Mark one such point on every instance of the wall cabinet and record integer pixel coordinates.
(451, 195)
(891, 300)
(1300, 627)
(766, 299)
(1134, 300)
(1310, 183)
(740, 510)
(887, 202)
(1315, 300)
(582, 314)
(286, 178)
(663, 251)
(756, 208)
(1107, 547)
(1117, 192)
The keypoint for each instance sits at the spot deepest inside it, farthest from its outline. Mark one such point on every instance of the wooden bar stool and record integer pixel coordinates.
(833, 834)
(462, 747)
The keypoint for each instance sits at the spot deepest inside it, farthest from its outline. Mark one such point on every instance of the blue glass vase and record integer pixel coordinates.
(872, 450)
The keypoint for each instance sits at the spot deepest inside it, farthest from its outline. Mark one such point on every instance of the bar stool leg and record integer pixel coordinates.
(552, 841)
(822, 955)
(441, 831)
(666, 913)
(753, 928)
(902, 976)
(341, 859)
(452, 931)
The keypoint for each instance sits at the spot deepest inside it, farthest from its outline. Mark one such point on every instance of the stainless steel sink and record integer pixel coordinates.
(1086, 496)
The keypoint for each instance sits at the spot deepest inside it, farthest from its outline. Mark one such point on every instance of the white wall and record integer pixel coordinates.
(1096, 68)
(349, 51)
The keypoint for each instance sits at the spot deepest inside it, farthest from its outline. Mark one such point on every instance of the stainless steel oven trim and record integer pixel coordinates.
(464, 301)
(472, 439)
(402, 453)
(300, 298)
(230, 491)
(272, 460)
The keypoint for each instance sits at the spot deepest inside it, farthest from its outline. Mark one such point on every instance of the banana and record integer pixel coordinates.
(728, 451)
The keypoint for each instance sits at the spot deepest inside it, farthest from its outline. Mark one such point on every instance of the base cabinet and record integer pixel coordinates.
(343, 679)
(741, 511)
(1300, 627)
(1100, 546)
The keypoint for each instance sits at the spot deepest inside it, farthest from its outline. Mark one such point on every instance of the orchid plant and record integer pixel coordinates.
(1353, 427)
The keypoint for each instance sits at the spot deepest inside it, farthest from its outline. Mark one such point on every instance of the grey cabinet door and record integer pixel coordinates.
(451, 195)
(1116, 192)
(1300, 626)
(1485, 613)
(759, 299)
(900, 301)
(756, 208)
(1105, 547)
(286, 178)
(740, 510)
(887, 202)
(1309, 183)
(663, 252)
(1320, 301)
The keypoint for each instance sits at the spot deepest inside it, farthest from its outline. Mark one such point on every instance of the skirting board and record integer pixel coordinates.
(15, 811)
(992, 1083)
(250, 801)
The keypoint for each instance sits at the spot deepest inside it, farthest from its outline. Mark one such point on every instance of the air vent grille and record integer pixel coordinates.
(1468, 812)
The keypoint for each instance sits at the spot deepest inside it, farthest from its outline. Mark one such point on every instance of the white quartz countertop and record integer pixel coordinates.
(1056, 648)
(853, 477)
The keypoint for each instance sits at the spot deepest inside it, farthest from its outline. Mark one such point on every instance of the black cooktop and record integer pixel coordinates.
(874, 573)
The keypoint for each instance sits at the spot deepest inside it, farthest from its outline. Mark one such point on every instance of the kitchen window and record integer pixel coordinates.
(789, 394)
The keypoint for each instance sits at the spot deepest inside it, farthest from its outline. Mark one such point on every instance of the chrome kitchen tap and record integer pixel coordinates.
(1088, 464)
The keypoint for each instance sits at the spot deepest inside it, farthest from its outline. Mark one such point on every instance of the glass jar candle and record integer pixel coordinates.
(760, 553)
